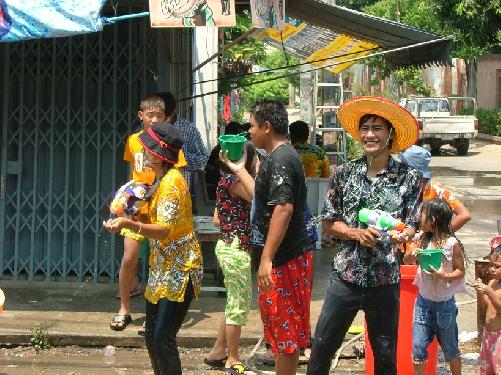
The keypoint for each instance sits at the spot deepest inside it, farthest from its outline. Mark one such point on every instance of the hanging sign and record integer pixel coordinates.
(23, 20)
(190, 13)
(268, 14)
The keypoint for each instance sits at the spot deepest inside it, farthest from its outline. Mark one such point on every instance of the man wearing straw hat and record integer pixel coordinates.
(365, 271)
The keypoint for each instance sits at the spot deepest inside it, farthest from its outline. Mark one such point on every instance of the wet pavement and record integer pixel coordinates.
(480, 191)
(77, 360)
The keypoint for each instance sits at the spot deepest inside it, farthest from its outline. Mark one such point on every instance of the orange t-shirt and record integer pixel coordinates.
(147, 176)
(434, 189)
(133, 147)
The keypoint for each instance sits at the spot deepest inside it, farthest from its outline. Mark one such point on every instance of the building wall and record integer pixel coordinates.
(447, 80)
(489, 81)
(205, 46)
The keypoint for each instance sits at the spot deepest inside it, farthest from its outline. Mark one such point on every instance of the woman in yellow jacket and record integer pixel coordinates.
(175, 256)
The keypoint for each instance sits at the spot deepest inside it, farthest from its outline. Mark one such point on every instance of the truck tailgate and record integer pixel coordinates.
(456, 124)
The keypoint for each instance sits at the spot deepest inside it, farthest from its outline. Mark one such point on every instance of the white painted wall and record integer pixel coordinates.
(205, 108)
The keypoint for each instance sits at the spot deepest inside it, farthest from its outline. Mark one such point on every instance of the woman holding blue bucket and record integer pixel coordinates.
(435, 309)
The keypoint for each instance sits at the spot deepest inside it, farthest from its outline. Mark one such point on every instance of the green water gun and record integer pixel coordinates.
(380, 220)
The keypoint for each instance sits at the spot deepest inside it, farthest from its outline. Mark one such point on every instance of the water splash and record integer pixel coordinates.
(316, 220)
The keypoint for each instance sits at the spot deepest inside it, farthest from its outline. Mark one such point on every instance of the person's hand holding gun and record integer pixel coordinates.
(369, 237)
(379, 221)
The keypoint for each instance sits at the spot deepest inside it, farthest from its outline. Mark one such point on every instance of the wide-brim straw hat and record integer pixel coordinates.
(405, 124)
(162, 140)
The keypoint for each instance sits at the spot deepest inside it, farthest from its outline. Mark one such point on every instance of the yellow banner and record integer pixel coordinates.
(312, 43)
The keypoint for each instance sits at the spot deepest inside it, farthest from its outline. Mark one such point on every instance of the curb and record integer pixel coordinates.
(487, 137)
(67, 339)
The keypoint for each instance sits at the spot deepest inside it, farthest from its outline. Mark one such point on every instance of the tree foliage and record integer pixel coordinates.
(248, 49)
(418, 13)
(413, 78)
(249, 88)
(354, 4)
(475, 25)
(277, 89)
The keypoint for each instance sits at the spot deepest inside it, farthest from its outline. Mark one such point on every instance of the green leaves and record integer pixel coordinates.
(249, 86)
(274, 89)
(40, 337)
(473, 23)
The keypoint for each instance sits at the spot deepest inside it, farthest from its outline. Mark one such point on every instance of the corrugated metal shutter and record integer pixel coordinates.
(67, 106)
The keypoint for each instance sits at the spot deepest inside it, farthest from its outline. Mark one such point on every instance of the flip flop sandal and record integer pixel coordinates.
(238, 368)
(264, 359)
(217, 363)
(120, 322)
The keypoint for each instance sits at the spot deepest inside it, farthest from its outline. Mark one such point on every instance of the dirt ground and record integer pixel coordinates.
(75, 360)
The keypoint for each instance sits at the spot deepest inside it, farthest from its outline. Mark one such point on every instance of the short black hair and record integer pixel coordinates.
(299, 131)
(233, 127)
(245, 128)
(169, 101)
(373, 117)
(152, 102)
(274, 112)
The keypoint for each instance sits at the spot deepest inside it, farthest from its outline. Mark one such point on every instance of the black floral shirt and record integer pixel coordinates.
(397, 190)
(233, 213)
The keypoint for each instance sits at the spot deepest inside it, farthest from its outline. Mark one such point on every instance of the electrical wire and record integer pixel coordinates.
(381, 53)
(270, 70)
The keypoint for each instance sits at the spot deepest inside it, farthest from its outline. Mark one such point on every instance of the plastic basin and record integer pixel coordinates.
(408, 294)
(430, 257)
(233, 144)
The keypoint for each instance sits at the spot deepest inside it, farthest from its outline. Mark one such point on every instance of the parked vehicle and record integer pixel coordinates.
(441, 123)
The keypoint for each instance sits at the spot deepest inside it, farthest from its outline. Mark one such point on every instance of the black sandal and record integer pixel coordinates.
(120, 322)
(217, 363)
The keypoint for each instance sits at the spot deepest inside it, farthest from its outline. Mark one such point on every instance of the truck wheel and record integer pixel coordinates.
(462, 146)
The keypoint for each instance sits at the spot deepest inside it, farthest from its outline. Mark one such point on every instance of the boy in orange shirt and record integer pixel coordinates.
(151, 111)
(418, 158)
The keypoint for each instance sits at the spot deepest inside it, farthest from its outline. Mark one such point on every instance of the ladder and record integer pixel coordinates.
(328, 95)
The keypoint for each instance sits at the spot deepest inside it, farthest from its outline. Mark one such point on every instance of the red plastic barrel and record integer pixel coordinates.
(408, 294)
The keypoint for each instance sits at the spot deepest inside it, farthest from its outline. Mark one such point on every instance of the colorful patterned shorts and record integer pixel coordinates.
(285, 310)
(490, 353)
(236, 266)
